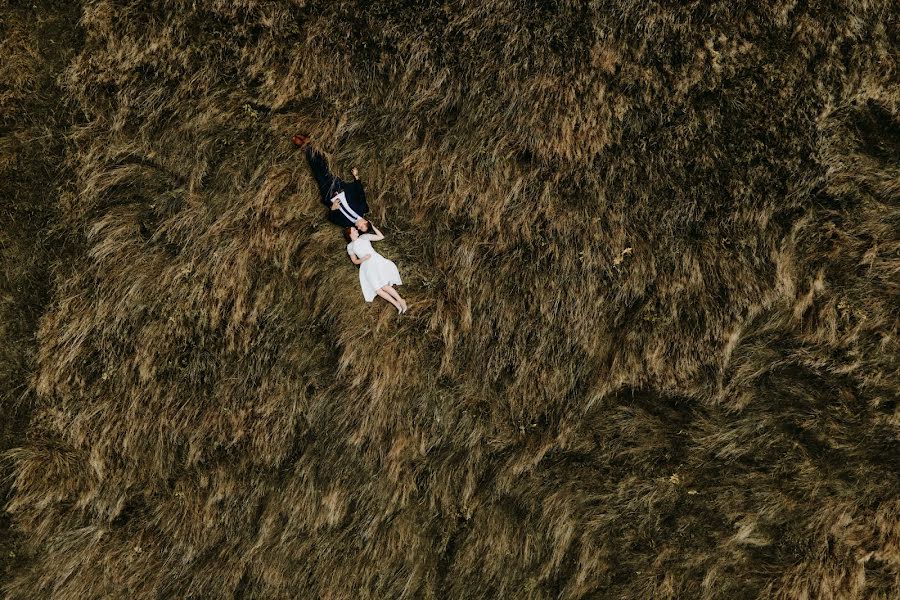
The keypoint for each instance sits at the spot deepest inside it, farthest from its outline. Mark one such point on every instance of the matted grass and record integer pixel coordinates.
(651, 251)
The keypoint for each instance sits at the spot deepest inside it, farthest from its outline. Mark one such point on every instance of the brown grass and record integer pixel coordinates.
(710, 414)
(37, 42)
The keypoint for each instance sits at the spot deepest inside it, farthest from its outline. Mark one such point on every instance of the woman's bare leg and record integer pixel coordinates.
(390, 290)
(381, 292)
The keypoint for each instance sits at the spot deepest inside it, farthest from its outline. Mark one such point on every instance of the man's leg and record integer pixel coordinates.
(329, 185)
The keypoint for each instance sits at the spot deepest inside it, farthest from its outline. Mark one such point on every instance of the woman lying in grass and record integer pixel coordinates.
(377, 275)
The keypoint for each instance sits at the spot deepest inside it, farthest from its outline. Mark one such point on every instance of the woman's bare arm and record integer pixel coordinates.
(359, 261)
(378, 235)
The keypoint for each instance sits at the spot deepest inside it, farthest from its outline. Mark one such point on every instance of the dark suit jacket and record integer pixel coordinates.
(356, 198)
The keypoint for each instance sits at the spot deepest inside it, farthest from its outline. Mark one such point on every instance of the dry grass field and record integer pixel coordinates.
(652, 254)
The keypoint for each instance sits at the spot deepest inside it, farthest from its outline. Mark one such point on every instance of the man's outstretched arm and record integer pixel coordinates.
(359, 193)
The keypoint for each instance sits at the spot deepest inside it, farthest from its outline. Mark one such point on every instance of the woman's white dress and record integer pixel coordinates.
(376, 272)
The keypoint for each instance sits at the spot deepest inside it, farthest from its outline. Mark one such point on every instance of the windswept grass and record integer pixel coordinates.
(652, 255)
(38, 39)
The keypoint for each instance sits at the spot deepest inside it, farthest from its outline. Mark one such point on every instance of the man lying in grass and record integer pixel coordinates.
(347, 205)
(346, 201)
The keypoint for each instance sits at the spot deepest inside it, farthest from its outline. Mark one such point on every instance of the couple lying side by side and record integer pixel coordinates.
(346, 203)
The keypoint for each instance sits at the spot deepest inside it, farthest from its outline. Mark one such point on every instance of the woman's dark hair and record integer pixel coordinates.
(347, 233)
